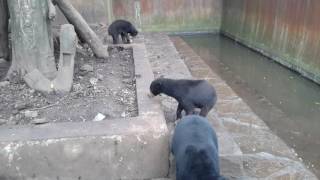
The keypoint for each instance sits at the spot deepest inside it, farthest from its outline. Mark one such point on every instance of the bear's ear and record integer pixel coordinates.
(158, 84)
(203, 153)
(190, 150)
(159, 81)
(205, 158)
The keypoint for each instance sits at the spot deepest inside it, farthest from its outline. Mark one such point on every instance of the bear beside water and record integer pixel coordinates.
(195, 148)
(190, 94)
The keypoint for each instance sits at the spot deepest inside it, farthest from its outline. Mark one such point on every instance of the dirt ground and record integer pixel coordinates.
(100, 86)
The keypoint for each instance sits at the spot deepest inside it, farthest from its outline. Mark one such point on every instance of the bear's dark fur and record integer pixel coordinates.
(195, 148)
(122, 28)
(190, 94)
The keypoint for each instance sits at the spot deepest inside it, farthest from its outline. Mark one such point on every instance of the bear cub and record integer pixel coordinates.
(195, 148)
(122, 28)
(190, 94)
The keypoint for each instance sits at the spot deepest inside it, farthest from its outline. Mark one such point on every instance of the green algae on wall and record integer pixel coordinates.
(207, 25)
(181, 15)
(286, 30)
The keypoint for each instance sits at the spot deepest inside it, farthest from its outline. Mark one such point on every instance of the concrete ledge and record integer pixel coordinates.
(131, 148)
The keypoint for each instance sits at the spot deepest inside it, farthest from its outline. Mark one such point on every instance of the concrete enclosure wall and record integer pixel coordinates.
(154, 15)
(286, 30)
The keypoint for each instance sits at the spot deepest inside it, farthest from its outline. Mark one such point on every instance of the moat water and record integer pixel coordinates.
(287, 102)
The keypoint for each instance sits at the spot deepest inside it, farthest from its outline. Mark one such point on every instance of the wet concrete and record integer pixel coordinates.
(287, 102)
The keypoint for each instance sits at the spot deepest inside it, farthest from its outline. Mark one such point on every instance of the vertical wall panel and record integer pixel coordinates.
(154, 15)
(287, 30)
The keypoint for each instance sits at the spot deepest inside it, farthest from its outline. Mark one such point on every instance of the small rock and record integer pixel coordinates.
(127, 81)
(87, 68)
(11, 121)
(30, 114)
(3, 121)
(77, 87)
(123, 115)
(22, 105)
(85, 46)
(18, 116)
(4, 83)
(40, 121)
(130, 86)
(150, 95)
(99, 117)
(2, 61)
(126, 76)
(100, 77)
(14, 112)
(93, 81)
(32, 91)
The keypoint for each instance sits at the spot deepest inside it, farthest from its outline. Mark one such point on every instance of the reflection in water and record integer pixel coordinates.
(287, 102)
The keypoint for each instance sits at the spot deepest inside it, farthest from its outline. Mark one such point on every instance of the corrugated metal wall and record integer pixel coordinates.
(154, 15)
(287, 30)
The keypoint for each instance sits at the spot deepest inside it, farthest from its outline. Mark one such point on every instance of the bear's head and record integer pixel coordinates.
(133, 31)
(156, 86)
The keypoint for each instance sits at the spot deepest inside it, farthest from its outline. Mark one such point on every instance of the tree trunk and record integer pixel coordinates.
(4, 18)
(32, 46)
(82, 28)
(77, 32)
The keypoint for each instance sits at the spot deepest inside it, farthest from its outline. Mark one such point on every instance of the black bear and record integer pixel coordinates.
(195, 148)
(122, 28)
(190, 94)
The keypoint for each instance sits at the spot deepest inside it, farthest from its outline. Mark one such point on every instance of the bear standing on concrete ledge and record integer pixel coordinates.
(190, 94)
(122, 28)
(195, 148)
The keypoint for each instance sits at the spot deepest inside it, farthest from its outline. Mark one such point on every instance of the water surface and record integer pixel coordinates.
(286, 101)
